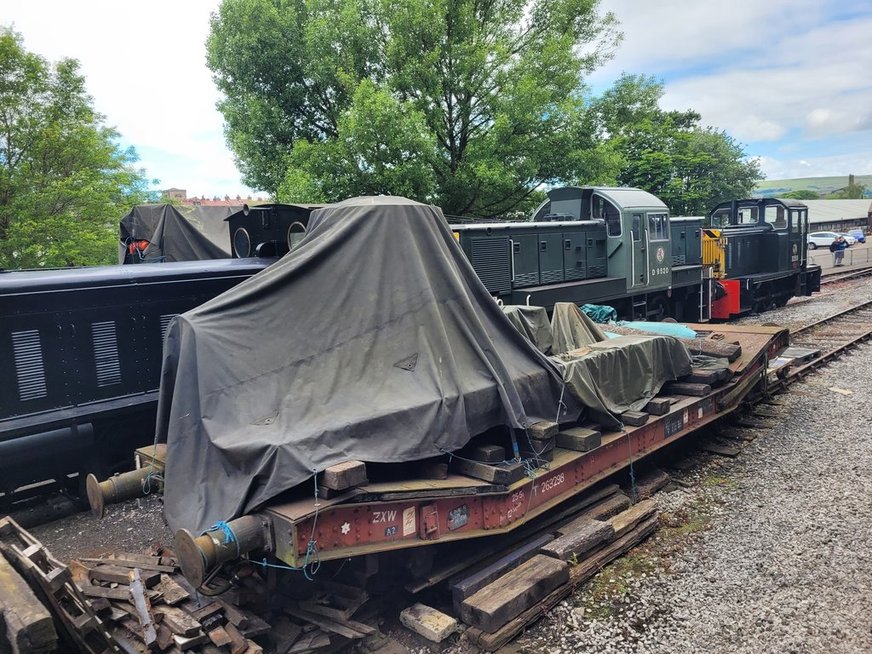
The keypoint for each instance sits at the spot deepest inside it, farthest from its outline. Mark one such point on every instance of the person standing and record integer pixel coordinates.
(839, 251)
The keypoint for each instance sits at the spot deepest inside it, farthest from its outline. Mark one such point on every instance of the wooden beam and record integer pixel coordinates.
(29, 626)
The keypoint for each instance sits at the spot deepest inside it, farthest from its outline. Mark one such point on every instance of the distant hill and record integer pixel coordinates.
(820, 185)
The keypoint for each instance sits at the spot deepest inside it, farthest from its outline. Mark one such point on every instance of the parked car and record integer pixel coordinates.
(859, 235)
(823, 239)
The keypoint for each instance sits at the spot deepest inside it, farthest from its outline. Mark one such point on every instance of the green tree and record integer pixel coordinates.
(801, 195)
(691, 168)
(852, 191)
(64, 181)
(331, 97)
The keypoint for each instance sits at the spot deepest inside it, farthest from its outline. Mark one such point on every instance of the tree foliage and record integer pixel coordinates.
(691, 168)
(802, 194)
(471, 105)
(852, 191)
(64, 181)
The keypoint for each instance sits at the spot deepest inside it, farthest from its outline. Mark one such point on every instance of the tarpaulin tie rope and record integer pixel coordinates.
(229, 535)
(633, 494)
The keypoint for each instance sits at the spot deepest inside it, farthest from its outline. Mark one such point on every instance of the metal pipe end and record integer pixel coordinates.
(95, 496)
(190, 557)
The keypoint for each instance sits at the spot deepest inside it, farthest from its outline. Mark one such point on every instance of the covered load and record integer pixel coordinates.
(373, 339)
(165, 232)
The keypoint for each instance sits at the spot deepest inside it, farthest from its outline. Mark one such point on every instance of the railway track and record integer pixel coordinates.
(832, 336)
(844, 276)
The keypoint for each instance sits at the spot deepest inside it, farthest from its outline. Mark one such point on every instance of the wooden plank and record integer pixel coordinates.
(514, 592)
(118, 575)
(585, 536)
(650, 483)
(579, 439)
(120, 593)
(310, 642)
(634, 418)
(204, 612)
(186, 643)
(658, 406)
(29, 625)
(128, 563)
(470, 585)
(171, 592)
(680, 388)
(344, 475)
(720, 450)
(627, 520)
(143, 609)
(346, 628)
(233, 614)
(238, 644)
(710, 376)
(164, 637)
(505, 474)
(178, 621)
(602, 510)
(219, 636)
(543, 430)
(578, 574)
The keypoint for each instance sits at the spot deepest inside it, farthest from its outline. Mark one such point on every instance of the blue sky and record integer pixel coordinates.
(789, 79)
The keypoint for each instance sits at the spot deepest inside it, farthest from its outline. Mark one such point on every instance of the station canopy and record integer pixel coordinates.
(176, 232)
(372, 340)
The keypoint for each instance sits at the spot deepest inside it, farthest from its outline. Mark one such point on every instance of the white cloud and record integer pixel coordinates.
(145, 67)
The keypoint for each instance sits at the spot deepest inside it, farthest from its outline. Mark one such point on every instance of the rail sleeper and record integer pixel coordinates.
(514, 592)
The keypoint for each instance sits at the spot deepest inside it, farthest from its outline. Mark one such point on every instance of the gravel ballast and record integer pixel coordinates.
(768, 552)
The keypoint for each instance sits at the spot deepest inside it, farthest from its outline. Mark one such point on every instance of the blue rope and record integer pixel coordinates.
(229, 535)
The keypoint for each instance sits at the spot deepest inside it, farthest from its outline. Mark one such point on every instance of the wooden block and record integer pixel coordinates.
(585, 536)
(721, 450)
(503, 474)
(711, 376)
(347, 628)
(680, 388)
(347, 474)
(186, 643)
(537, 457)
(488, 453)
(164, 637)
(206, 611)
(100, 605)
(120, 593)
(634, 418)
(171, 592)
(127, 563)
(626, 521)
(470, 585)
(579, 439)
(28, 624)
(514, 592)
(426, 621)
(658, 406)
(650, 483)
(219, 636)
(310, 642)
(233, 614)
(543, 430)
(603, 510)
(238, 643)
(433, 471)
(178, 621)
(118, 575)
(143, 609)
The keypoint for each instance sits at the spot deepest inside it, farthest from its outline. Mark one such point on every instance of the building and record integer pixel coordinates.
(175, 194)
(839, 215)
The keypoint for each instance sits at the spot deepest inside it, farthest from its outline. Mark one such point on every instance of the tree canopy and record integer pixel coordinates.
(467, 104)
(64, 181)
(691, 168)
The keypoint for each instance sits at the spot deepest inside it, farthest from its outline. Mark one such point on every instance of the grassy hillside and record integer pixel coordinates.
(820, 185)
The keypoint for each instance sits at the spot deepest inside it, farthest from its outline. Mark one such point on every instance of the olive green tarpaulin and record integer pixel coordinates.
(610, 376)
(176, 232)
(373, 339)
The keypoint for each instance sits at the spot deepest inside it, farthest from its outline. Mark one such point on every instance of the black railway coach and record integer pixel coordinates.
(80, 351)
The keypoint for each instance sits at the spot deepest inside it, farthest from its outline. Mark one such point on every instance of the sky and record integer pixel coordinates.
(789, 79)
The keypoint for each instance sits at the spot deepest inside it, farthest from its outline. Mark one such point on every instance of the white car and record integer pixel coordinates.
(824, 239)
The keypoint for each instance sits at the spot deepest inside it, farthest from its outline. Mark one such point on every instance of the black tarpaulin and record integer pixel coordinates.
(177, 232)
(372, 340)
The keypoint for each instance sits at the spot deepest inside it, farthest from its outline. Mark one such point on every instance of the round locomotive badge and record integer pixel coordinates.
(661, 254)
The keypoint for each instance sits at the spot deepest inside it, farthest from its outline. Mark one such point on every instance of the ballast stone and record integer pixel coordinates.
(428, 622)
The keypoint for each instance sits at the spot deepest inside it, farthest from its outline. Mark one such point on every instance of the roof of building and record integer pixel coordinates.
(824, 211)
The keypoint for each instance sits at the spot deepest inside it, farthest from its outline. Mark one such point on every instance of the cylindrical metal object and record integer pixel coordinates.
(115, 489)
(199, 555)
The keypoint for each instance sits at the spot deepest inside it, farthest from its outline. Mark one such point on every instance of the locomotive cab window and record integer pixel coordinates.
(775, 216)
(721, 218)
(297, 231)
(602, 209)
(747, 216)
(637, 227)
(658, 227)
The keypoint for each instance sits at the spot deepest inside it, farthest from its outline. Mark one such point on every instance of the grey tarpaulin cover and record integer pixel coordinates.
(533, 323)
(611, 376)
(178, 232)
(372, 340)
